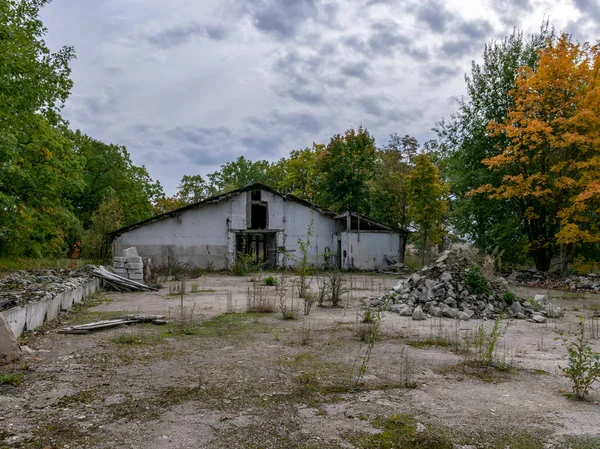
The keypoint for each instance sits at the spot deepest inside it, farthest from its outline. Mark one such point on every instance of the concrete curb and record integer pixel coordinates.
(33, 315)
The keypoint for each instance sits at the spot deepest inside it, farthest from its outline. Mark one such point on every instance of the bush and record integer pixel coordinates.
(509, 297)
(583, 368)
(270, 281)
(477, 281)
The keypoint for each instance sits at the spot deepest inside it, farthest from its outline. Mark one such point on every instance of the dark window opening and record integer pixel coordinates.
(258, 217)
(255, 195)
(259, 249)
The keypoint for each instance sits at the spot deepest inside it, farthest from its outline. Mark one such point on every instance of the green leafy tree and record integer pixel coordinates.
(39, 174)
(193, 188)
(388, 187)
(427, 200)
(344, 167)
(109, 167)
(238, 174)
(465, 142)
(108, 217)
(300, 172)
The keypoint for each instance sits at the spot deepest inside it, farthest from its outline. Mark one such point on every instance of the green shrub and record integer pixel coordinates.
(509, 297)
(583, 368)
(270, 281)
(11, 378)
(477, 281)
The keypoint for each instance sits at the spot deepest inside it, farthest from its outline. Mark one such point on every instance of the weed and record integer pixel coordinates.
(322, 288)
(509, 297)
(400, 432)
(270, 281)
(194, 288)
(485, 344)
(477, 281)
(305, 336)
(583, 368)
(309, 300)
(371, 331)
(11, 378)
(258, 299)
(337, 287)
(281, 287)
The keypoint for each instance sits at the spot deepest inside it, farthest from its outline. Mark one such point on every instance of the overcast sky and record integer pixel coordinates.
(187, 85)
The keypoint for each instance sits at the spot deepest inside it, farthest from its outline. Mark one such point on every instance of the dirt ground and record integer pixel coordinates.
(226, 378)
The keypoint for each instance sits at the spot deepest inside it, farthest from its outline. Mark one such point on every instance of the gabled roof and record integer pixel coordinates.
(232, 193)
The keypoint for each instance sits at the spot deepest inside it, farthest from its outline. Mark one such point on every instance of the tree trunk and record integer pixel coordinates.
(402, 249)
(542, 258)
(424, 250)
(567, 252)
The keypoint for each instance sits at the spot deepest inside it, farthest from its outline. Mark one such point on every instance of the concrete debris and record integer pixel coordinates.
(119, 283)
(9, 347)
(442, 289)
(106, 324)
(129, 265)
(23, 287)
(533, 278)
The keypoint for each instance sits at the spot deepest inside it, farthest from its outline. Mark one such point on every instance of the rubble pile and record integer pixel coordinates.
(23, 287)
(446, 288)
(533, 278)
(129, 265)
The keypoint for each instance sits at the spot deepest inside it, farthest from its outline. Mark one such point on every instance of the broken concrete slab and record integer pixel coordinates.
(9, 347)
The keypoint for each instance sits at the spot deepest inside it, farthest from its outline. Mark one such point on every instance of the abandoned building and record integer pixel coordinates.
(263, 225)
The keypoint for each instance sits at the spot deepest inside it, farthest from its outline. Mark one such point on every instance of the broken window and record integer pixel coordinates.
(255, 195)
(258, 216)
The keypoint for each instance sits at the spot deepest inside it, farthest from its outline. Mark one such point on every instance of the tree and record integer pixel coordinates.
(464, 143)
(426, 195)
(300, 171)
(344, 167)
(551, 164)
(238, 174)
(193, 188)
(108, 217)
(109, 167)
(388, 187)
(39, 174)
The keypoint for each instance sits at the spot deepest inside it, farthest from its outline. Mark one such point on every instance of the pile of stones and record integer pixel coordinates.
(22, 287)
(129, 265)
(442, 289)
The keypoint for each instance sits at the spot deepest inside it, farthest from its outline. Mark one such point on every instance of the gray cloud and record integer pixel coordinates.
(434, 14)
(356, 70)
(441, 72)
(181, 34)
(386, 38)
(281, 18)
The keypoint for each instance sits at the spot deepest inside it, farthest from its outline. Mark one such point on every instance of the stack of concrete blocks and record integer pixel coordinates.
(129, 265)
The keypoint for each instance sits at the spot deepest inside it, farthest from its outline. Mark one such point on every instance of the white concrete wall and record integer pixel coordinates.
(366, 250)
(34, 314)
(298, 220)
(197, 237)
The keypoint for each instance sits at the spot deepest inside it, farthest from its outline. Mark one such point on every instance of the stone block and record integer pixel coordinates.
(15, 319)
(35, 314)
(130, 252)
(119, 264)
(134, 266)
(136, 277)
(135, 259)
(119, 259)
(9, 348)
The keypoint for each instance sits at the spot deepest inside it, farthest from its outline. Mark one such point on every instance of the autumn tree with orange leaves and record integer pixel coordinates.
(551, 165)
